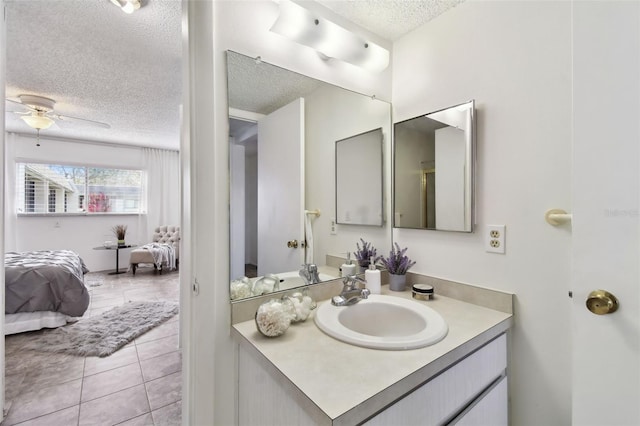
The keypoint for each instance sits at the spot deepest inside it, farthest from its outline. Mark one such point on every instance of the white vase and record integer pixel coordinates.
(397, 282)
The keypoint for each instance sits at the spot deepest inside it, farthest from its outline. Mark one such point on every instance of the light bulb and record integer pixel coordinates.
(131, 6)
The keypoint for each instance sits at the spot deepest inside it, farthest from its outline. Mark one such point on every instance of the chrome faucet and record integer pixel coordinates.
(309, 273)
(351, 293)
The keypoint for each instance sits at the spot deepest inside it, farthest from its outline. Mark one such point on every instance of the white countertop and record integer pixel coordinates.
(349, 383)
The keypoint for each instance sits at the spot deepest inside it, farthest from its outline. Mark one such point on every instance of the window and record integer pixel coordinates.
(60, 189)
(52, 200)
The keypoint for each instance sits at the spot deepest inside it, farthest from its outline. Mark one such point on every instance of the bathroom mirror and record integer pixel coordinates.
(434, 170)
(359, 163)
(283, 127)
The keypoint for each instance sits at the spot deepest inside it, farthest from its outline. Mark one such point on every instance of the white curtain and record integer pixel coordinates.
(10, 214)
(163, 189)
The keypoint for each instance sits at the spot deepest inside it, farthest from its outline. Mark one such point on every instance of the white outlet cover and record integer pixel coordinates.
(495, 243)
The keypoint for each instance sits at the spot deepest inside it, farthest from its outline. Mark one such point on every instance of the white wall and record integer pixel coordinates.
(325, 124)
(78, 233)
(514, 58)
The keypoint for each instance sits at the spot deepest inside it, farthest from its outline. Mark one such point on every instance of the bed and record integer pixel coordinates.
(43, 289)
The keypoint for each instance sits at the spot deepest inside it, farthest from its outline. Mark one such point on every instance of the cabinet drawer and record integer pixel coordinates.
(444, 396)
(491, 409)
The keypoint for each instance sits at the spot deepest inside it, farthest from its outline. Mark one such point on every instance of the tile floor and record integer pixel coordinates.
(140, 384)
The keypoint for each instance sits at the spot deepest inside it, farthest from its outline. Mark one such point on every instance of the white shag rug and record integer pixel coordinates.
(104, 334)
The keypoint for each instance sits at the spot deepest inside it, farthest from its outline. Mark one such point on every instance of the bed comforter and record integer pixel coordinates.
(46, 280)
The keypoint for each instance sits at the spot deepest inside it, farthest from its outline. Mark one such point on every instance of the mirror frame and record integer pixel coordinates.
(470, 170)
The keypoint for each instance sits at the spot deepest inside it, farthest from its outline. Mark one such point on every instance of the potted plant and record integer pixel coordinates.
(397, 264)
(120, 231)
(365, 253)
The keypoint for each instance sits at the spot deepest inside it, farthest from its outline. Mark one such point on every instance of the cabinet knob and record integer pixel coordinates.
(601, 302)
(292, 244)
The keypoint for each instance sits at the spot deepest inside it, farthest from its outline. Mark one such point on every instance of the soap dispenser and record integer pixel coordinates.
(348, 269)
(372, 277)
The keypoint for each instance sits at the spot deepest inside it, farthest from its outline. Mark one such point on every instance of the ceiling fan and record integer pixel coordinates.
(38, 113)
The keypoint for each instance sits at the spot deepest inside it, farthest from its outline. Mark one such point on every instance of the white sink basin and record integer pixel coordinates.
(382, 322)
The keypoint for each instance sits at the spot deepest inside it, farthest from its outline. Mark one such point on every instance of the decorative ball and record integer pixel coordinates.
(273, 318)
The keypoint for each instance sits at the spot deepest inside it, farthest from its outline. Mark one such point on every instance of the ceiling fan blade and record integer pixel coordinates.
(18, 107)
(80, 121)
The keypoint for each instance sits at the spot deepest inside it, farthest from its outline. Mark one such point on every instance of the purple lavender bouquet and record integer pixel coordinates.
(397, 263)
(365, 253)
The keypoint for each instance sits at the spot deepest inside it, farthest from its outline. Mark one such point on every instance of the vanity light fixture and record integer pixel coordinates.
(127, 6)
(329, 39)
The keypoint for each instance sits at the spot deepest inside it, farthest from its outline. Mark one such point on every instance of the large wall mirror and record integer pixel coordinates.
(283, 127)
(434, 169)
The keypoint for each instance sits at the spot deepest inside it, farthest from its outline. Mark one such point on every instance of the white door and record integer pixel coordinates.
(237, 209)
(606, 192)
(280, 189)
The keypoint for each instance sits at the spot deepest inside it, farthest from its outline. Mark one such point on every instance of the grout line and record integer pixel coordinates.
(84, 366)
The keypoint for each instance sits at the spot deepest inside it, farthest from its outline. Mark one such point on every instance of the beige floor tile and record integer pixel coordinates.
(13, 385)
(110, 381)
(55, 372)
(115, 408)
(161, 366)
(43, 401)
(170, 415)
(157, 347)
(143, 420)
(66, 417)
(164, 330)
(124, 356)
(165, 390)
(107, 303)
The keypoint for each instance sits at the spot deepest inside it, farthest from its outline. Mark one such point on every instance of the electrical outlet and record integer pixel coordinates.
(494, 241)
(333, 230)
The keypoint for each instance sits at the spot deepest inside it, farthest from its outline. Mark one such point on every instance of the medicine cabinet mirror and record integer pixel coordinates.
(272, 184)
(359, 179)
(433, 182)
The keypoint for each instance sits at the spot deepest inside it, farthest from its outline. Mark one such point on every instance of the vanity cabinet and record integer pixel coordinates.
(472, 391)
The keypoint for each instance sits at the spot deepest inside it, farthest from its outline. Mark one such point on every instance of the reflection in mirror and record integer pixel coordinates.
(282, 132)
(433, 170)
(359, 159)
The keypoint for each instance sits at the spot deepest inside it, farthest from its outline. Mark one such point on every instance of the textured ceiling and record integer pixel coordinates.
(100, 64)
(263, 88)
(389, 19)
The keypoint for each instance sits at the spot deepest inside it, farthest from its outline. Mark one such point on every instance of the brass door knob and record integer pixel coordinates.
(602, 302)
(292, 244)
